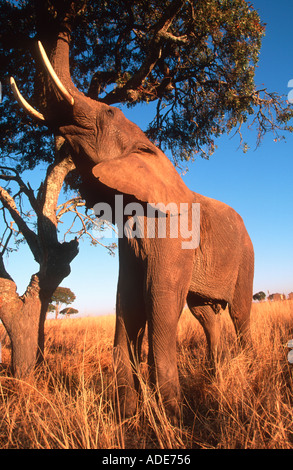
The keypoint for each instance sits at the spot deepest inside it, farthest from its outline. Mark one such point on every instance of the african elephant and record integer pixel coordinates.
(156, 275)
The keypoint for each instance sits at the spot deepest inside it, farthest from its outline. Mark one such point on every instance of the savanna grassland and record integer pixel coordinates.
(70, 403)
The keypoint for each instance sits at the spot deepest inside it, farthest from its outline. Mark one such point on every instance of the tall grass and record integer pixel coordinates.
(71, 401)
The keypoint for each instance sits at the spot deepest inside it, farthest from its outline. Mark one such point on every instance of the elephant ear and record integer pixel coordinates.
(149, 177)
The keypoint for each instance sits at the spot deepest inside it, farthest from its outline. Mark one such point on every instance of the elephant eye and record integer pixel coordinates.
(110, 112)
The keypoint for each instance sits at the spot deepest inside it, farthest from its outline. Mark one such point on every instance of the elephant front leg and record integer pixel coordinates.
(167, 283)
(163, 312)
(163, 361)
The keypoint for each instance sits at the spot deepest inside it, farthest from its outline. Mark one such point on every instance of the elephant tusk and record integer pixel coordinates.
(22, 102)
(64, 92)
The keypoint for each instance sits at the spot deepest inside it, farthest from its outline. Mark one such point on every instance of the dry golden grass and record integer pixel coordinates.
(70, 403)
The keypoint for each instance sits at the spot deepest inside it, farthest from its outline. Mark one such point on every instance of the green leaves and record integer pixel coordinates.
(195, 58)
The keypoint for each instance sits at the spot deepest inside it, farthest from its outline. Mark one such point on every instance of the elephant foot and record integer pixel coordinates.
(126, 405)
(171, 399)
(173, 412)
(212, 361)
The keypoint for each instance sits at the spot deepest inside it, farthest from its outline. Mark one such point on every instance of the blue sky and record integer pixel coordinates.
(257, 184)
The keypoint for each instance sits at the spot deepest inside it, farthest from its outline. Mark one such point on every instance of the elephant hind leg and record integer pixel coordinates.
(129, 332)
(127, 356)
(241, 305)
(209, 320)
(240, 315)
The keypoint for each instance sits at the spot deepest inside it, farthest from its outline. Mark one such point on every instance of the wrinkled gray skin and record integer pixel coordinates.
(156, 276)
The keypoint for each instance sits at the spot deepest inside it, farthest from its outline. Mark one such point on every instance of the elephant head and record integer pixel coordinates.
(106, 146)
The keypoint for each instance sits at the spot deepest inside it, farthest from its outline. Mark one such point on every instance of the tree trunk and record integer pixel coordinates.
(24, 316)
(21, 318)
(25, 340)
(26, 332)
(56, 311)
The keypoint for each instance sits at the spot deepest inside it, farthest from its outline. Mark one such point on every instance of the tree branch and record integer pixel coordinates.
(128, 91)
(49, 194)
(175, 39)
(26, 189)
(4, 245)
(100, 80)
(86, 222)
(3, 273)
(29, 235)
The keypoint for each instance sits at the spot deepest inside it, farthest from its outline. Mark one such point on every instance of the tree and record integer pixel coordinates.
(260, 296)
(193, 59)
(24, 316)
(62, 295)
(68, 311)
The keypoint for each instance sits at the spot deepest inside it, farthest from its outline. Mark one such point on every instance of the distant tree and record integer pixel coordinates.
(68, 311)
(276, 297)
(61, 296)
(259, 296)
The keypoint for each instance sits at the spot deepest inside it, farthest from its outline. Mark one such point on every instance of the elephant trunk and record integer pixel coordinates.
(54, 24)
(62, 50)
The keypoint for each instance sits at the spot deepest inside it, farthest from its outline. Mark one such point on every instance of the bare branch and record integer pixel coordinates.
(3, 273)
(31, 238)
(100, 80)
(85, 220)
(175, 39)
(23, 188)
(5, 244)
